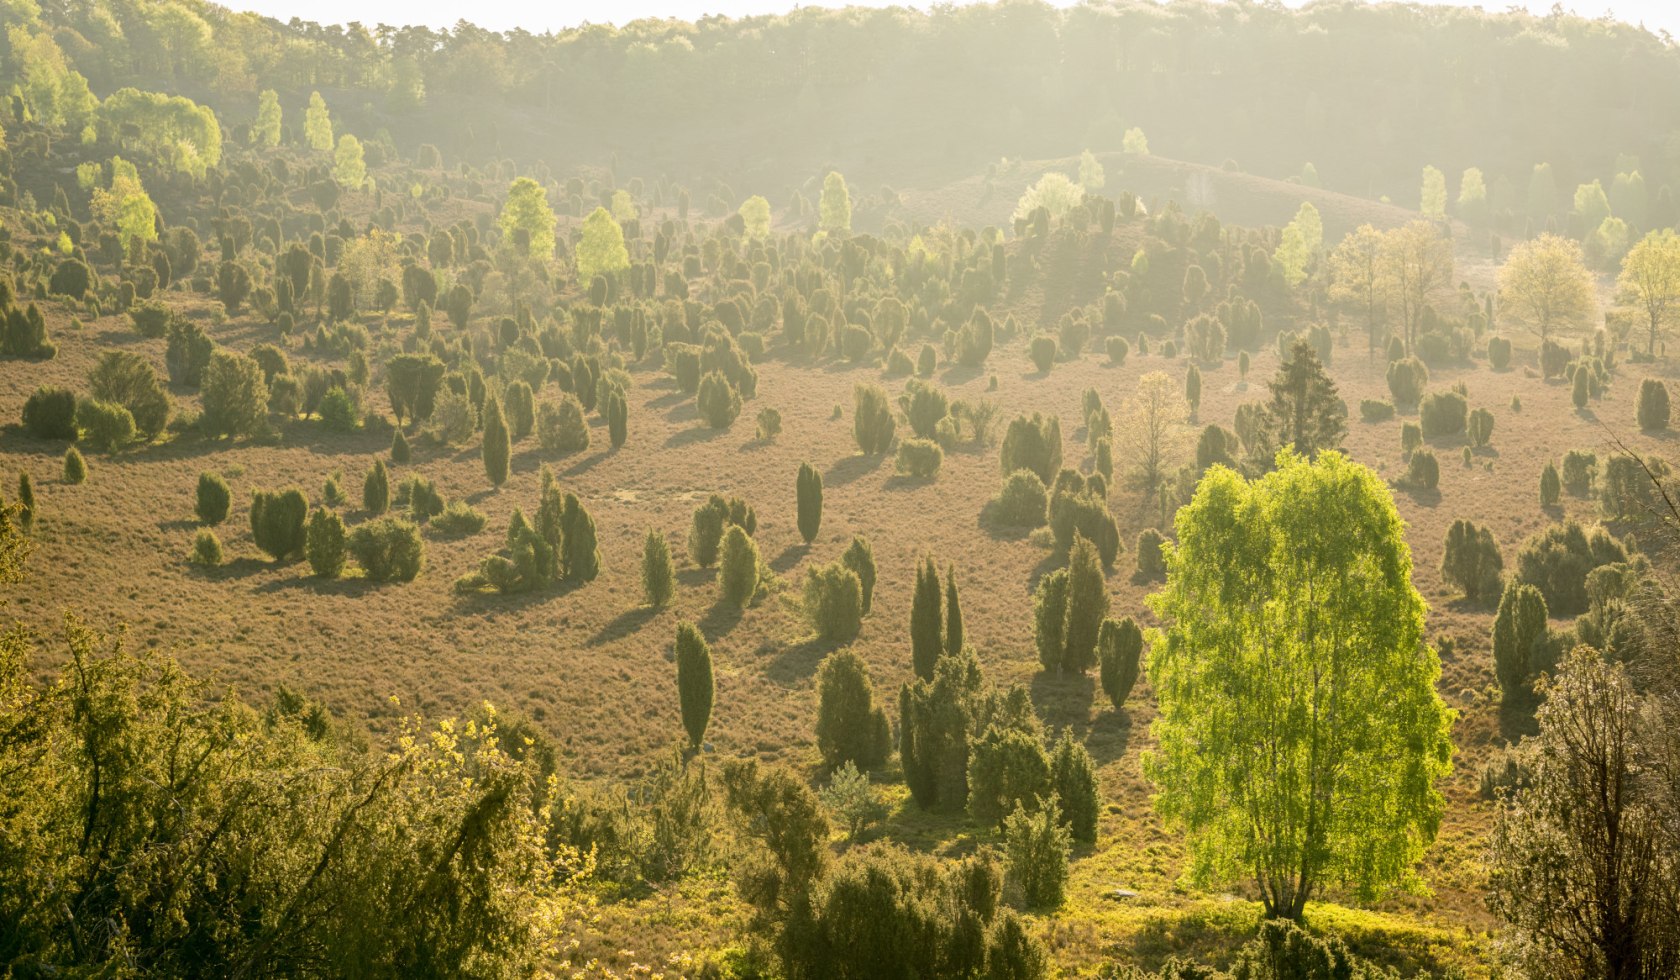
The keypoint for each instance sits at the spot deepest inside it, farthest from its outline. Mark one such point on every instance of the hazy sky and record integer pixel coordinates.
(539, 17)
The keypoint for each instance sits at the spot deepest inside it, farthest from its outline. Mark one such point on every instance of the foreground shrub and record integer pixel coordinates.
(389, 549)
(1423, 472)
(1521, 641)
(75, 468)
(695, 687)
(718, 400)
(458, 520)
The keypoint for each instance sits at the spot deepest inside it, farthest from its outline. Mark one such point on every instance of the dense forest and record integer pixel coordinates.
(1129, 491)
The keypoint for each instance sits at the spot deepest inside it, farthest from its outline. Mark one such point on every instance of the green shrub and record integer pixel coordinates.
(1073, 778)
(658, 578)
(389, 549)
(1471, 561)
(496, 447)
(1550, 486)
(718, 400)
(324, 543)
(277, 522)
(1626, 491)
(458, 520)
(1521, 644)
(851, 728)
(1006, 766)
(400, 452)
(1406, 380)
(1480, 427)
(1151, 563)
(1653, 405)
(1423, 472)
(927, 360)
(920, 458)
(1373, 410)
(1411, 437)
(50, 413)
(738, 568)
(376, 489)
(1116, 348)
(769, 424)
(808, 495)
(695, 688)
(1033, 443)
(1042, 351)
(212, 499)
(561, 428)
(833, 601)
(151, 319)
(1443, 413)
(75, 468)
(1119, 651)
(1558, 560)
(1580, 468)
(872, 419)
(421, 497)
(1499, 353)
(105, 426)
(128, 379)
(207, 549)
(235, 396)
(860, 558)
(1037, 845)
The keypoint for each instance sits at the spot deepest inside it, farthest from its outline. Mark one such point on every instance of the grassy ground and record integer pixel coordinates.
(593, 666)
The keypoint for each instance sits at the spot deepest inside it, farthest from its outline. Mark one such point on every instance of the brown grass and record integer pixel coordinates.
(594, 666)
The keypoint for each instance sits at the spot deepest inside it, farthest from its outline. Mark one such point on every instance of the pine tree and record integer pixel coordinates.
(809, 489)
(497, 446)
(695, 688)
(1305, 411)
(925, 641)
(657, 576)
(953, 612)
(376, 489)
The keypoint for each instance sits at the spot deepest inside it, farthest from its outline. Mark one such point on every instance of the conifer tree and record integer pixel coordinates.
(26, 500)
(695, 688)
(1087, 606)
(953, 612)
(657, 576)
(583, 559)
(1074, 778)
(400, 453)
(738, 568)
(497, 447)
(860, 558)
(926, 644)
(376, 489)
(809, 489)
(1119, 649)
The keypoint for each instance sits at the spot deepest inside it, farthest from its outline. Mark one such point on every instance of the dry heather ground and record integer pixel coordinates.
(593, 666)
